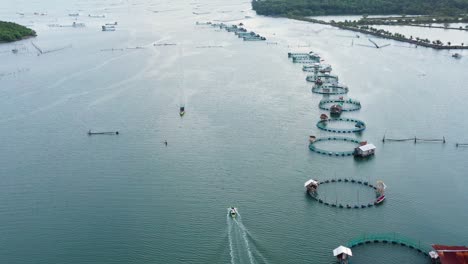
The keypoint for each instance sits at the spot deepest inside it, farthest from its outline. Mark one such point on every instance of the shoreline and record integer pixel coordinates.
(392, 37)
(23, 38)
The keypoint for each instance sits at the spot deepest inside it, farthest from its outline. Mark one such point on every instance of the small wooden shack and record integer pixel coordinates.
(365, 150)
(342, 254)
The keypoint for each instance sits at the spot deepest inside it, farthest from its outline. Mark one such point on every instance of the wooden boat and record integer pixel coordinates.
(380, 199)
(323, 117)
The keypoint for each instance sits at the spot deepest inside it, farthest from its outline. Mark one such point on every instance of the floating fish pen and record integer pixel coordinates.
(90, 133)
(415, 140)
(312, 146)
(348, 105)
(323, 77)
(390, 239)
(240, 31)
(295, 54)
(164, 44)
(254, 38)
(330, 89)
(359, 125)
(97, 16)
(309, 55)
(312, 187)
(203, 23)
(108, 28)
(317, 67)
(245, 34)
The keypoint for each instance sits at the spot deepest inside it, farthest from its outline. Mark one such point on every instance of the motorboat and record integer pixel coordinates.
(233, 212)
(182, 111)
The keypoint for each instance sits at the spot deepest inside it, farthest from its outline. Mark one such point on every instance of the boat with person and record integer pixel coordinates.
(233, 212)
(182, 111)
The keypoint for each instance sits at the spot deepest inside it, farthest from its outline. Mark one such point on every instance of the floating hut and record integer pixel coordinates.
(365, 150)
(336, 109)
(342, 254)
(312, 139)
(449, 254)
(311, 186)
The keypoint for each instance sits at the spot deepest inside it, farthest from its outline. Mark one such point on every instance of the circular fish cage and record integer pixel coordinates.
(326, 78)
(330, 89)
(390, 239)
(313, 147)
(358, 125)
(348, 105)
(376, 202)
(322, 68)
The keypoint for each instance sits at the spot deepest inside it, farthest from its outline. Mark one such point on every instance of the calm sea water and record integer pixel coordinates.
(71, 198)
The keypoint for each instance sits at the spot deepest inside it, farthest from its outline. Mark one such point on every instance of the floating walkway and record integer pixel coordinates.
(414, 139)
(330, 89)
(359, 125)
(90, 133)
(348, 105)
(313, 148)
(390, 238)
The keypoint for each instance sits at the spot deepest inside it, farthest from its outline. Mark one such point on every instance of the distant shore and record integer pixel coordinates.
(366, 29)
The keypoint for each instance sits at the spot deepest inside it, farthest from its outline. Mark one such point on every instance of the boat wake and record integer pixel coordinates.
(242, 248)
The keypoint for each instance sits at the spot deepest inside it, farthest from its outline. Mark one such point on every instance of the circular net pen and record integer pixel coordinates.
(348, 105)
(318, 67)
(390, 239)
(358, 125)
(313, 147)
(330, 89)
(325, 78)
(314, 193)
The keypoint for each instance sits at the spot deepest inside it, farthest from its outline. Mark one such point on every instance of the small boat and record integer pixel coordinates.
(380, 199)
(182, 111)
(233, 212)
(111, 24)
(323, 117)
(74, 14)
(336, 109)
(456, 55)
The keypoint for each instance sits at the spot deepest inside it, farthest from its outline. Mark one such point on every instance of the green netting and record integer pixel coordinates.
(370, 204)
(333, 153)
(392, 238)
(326, 78)
(359, 125)
(347, 105)
(330, 89)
